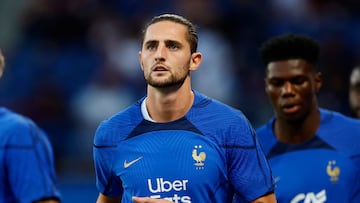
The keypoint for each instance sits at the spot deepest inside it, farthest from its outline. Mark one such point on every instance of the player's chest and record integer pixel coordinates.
(313, 176)
(175, 156)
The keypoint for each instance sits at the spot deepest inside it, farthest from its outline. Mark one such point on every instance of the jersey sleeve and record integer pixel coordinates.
(249, 171)
(30, 164)
(107, 183)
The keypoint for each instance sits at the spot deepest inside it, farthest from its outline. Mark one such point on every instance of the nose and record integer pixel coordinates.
(287, 89)
(160, 54)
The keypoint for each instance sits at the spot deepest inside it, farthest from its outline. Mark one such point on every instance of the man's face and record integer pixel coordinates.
(165, 56)
(292, 86)
(354, 93)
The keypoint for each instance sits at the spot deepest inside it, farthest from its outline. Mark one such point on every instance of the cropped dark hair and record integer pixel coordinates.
(290, 46)
(192, 36)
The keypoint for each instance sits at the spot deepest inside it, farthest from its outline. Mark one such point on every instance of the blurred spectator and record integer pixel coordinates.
(218, 68)
(247, 30)
(55, 57)
(104, 96)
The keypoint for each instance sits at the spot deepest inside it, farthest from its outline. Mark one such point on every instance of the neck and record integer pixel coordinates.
(295, 132)
(169, 104)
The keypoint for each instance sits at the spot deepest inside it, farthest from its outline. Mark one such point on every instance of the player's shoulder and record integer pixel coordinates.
(12, 118)
(214, 118)
(334, 120)
(340, 131)
(266, 128)
(118, 126)
(265, 135)
(16, 128)
(210, 107)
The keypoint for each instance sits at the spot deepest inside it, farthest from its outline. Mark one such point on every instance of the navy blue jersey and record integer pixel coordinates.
(325, 168)
(206, 156)
(27, 169)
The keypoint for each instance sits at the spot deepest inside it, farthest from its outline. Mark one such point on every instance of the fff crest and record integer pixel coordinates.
(198, 156)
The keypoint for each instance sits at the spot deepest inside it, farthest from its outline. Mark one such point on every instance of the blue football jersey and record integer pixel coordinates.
(206, 156)
(27, 170)
(325, 168)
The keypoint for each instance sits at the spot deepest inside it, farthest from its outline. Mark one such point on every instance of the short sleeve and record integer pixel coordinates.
(30, 164)
(249, 171)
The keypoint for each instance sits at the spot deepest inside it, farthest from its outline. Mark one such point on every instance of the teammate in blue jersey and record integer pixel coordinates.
(27, 171)
(176, 144)
(314, 153)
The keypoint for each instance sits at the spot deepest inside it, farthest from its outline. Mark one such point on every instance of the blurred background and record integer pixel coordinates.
(73, 63)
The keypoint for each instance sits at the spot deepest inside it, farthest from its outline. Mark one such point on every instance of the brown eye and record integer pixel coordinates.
(276, 82)
(298, 81)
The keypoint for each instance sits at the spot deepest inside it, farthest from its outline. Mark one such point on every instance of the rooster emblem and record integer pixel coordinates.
(333, 171)
(198, 157)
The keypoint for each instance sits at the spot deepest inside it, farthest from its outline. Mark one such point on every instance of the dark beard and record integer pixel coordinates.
(173, 82)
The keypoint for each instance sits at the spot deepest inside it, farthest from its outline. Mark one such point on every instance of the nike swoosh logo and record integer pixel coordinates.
(127, 164)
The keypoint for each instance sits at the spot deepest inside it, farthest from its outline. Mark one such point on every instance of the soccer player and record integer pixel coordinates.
(354, 92)
(175, 143)
(27, 172)
(314, 153)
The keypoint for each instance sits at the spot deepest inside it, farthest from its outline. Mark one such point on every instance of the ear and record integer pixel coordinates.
(318, 81)
(195, 61)
(140, 60)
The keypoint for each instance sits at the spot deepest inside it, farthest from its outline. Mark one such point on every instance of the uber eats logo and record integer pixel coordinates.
(172, 187)
(310, 197)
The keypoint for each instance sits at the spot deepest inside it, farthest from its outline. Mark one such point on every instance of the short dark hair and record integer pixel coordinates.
(192, 35)
(290, 46)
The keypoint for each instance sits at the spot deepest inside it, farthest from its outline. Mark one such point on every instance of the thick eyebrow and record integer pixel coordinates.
(151, 42)
(167, 42)
(172, 41)
(276, 77)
